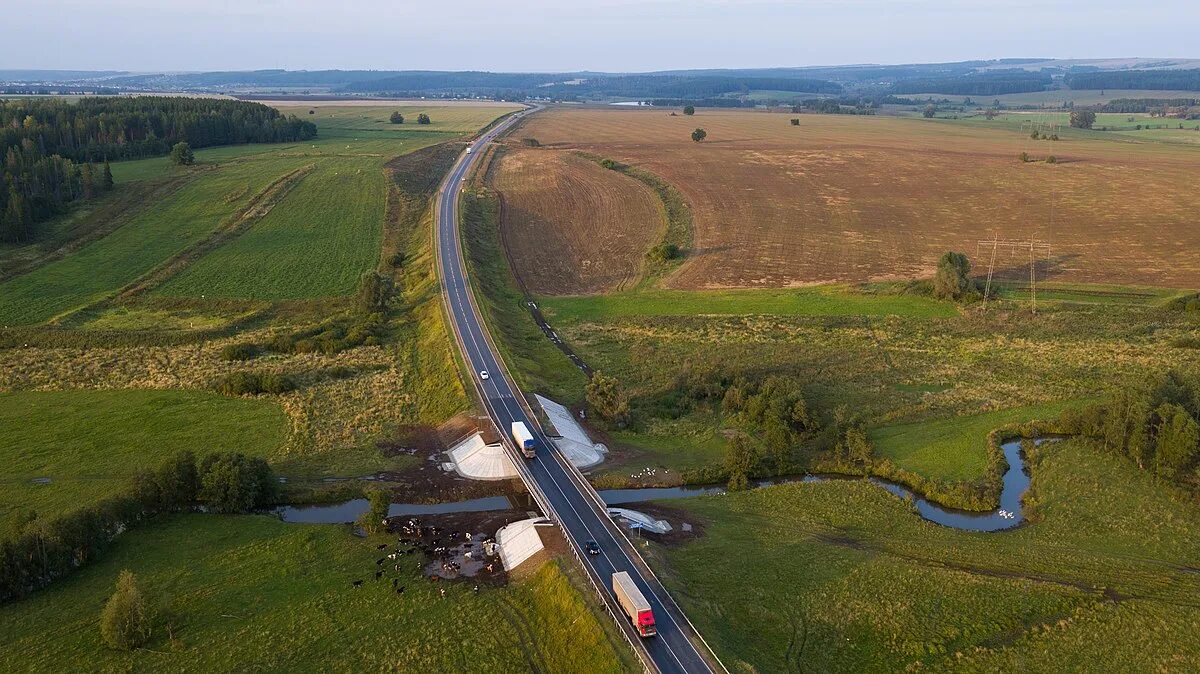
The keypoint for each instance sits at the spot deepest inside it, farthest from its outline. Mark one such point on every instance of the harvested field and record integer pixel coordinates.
(844, 198)
(572, 227)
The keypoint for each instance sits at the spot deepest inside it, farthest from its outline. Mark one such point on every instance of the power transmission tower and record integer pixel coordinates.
(1014, 246)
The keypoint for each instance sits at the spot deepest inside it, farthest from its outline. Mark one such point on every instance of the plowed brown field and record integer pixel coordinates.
(844, 198)
(570, 226)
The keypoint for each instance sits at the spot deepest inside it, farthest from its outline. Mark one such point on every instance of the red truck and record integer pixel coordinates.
(634, 604)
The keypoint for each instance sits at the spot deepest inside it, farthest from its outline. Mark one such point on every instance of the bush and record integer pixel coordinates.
(530, 142)
(374, 292)
(239, 352)
(234, 483)
(181, 154)
(953, 277)
(126, 621)
(253, 383)
(611, 164)
(1051, 159)
(608, 400)
(372, 521)
(689, 110)
(1186, 342)
(396, 260)
(795, 121)
(1024, 156)
(699, 135)
(396, 118)
(423, 118)
(664, 252)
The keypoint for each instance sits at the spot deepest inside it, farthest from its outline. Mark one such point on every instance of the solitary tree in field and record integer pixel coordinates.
(397, 118)
(990, 115)
(126, 620)
(689, 110)
(953, 278)
(422, 118)
(1083, 119)
(699, 135)
(182, 154)
(795, 122)
(929, 111)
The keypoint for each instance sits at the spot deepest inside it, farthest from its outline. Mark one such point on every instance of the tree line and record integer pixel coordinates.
(1127, 105)
(35, 187)
(1155, 424)
(50, 145)
(44, 550)
(1184, 80)
(989, 84)
(95, 129)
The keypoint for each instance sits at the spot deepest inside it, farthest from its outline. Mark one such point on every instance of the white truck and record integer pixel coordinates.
(634, 604)
(524, 439)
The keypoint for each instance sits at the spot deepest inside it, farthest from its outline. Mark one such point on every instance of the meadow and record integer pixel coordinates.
(974, 369)
(251, 592)
(841, 576)
(841, 198)
(954, 448)
(65, 449)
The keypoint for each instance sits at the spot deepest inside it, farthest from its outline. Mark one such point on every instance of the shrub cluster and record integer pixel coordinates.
(664, 252)
(332, 336)
(44, 550)
(239, 352)
(253, 383)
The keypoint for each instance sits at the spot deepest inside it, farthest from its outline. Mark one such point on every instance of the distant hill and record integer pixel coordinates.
(972, 78)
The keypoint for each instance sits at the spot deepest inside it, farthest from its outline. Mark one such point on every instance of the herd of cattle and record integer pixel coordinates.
(446, 555)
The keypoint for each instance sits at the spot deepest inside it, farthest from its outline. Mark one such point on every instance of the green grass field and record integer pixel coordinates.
(254, 594)
(315, 243)
(841, 576)
(89, 442)
(954, 448)
(886, 370)
(104, 266)
(813, 301)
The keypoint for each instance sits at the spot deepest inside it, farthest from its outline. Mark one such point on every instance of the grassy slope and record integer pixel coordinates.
(843, 577)
(253, 593)
(149, 238)
(953, 448)
(89, 442)
(537, 363)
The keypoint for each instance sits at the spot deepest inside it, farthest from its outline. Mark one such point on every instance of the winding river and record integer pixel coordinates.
(1009, 515)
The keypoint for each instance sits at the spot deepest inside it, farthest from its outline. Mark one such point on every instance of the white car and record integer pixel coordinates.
(483, 375)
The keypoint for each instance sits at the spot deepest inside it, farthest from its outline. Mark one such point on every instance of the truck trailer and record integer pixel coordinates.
(524, 439)
(634, 604)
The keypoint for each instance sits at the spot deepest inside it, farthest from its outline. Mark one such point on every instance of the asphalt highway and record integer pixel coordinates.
(578, 513)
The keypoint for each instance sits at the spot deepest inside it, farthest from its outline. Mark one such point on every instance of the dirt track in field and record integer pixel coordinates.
(570, 226)
(844, 198)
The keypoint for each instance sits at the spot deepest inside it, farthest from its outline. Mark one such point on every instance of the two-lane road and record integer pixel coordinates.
(575, 511)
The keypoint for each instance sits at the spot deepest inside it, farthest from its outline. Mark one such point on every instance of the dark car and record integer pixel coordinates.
(591, 548)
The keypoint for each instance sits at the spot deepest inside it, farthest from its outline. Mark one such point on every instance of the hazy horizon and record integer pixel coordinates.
(542, 36)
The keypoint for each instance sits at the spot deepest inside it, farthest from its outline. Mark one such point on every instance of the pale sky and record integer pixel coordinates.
(607, 35)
